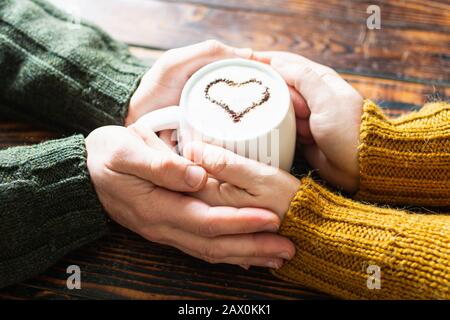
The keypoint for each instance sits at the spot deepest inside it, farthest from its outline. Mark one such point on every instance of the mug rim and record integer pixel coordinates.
(236, 61)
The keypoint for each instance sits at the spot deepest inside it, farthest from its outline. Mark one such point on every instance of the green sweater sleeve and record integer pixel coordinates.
(65, 74)
(47, 206)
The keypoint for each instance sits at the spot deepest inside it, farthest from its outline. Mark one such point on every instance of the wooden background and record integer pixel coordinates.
(403, 65)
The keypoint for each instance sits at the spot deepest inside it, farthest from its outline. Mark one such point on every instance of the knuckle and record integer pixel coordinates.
(325, 70)
(214, 47)
(162, 164)
(165, 164)
(169, 53)
(210, 254)
(208, 228)
(155, 236)
(118, 153)
(164, 63)
(217, 162)
(255, 251)
(162, 168)
(351, 97)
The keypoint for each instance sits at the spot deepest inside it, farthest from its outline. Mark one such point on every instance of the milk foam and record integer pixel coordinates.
(213, 120)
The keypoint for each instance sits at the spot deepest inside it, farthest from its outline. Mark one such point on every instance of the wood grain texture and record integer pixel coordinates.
(123, 265)
(409, 52)
(419, 14)
(402, 66)
(14, 133)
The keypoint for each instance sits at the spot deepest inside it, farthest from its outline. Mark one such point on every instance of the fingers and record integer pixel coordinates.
(267, 56)
(186, 60)
(292, 58)
(169, 138)
(195, 216)
(230, 167)
(304, 130)
(301, 108)
(162, 168)
(144, 132)
(243, 182)
(217, 193)
(251, 249)
(306, 81)
(244, 262)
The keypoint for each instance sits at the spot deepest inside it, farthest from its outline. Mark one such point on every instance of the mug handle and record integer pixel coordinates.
(163, 119)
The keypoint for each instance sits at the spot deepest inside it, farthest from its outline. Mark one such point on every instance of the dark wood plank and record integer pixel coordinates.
(123, 265)
(25, 292)
(14, 133)
(409, 52)
(419, 14)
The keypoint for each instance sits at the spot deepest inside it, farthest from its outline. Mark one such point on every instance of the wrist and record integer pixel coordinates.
(131, 115)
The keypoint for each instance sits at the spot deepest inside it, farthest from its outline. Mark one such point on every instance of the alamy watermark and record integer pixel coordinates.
(374, 278)
(374, 20)
(74, 279)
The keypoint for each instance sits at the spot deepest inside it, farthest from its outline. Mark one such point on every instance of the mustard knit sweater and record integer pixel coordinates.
(355, 250)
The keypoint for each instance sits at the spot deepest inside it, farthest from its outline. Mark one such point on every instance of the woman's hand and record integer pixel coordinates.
(139, 181)
(328, 112)
(161, 86)
(240, 182)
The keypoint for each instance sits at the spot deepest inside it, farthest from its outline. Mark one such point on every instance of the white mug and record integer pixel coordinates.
(273, 145)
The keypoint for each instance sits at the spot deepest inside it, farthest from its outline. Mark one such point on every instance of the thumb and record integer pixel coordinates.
(162, 168)
(173, 172)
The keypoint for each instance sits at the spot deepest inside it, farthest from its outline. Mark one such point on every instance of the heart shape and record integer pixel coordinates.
(235, 115)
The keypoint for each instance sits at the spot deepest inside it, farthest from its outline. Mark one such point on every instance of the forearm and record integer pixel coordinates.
(71, 76)
(337, 239)
(406, 160)
(47, 206)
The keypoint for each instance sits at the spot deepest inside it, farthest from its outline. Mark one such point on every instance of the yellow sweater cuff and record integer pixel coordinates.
(338, 239)
(405, 160)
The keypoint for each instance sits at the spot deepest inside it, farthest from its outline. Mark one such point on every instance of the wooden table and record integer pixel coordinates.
(402, 65)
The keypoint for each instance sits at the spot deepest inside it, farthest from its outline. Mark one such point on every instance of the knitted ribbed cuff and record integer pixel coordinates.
(48, 206)
(338, 240)
(405, 160)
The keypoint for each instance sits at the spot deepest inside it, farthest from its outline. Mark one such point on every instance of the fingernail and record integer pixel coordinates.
(245, 266)
(194, 176)
(273, 264)
(284, 255)
(243, 52)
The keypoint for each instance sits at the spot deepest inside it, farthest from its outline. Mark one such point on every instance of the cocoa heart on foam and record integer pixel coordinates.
(236, 115)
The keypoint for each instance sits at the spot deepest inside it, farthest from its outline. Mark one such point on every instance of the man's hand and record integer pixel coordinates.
(328, 112)
(139, 181)
(161, 86)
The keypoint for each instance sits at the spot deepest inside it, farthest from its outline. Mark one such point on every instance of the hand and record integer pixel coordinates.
(139, 181)
(240, 182)
(328, 112)
(161, 86)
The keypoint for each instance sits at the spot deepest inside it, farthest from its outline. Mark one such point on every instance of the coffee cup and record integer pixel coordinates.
(241, 105)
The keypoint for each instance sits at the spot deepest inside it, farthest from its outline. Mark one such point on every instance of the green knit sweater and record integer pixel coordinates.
(72, 77)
